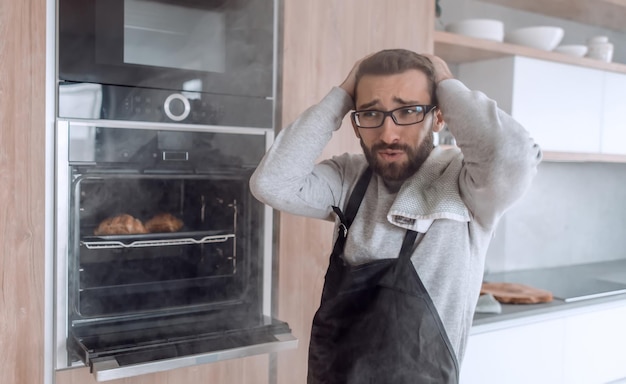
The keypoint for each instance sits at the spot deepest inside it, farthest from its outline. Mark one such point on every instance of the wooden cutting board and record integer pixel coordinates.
(515, 293)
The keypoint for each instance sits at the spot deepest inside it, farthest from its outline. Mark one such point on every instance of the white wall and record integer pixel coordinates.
(574, 213)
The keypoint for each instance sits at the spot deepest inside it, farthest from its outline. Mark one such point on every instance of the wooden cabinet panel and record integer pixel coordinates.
(321, 41)
(22, 190)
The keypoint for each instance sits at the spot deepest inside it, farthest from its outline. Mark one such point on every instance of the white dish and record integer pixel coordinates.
(541, 37)
(601, 51)
(576, 50)
(479, 28)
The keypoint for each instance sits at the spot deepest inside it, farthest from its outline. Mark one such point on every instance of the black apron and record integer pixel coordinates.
(376, 322)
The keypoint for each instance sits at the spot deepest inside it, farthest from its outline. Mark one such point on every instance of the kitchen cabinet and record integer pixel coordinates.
(531, 353)
(593, 349)
(578, 346)
(571, 111)
(614, 121)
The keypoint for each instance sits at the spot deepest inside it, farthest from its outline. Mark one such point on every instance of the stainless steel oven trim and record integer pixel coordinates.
(109, 369)
(268, 245)
(168, 126)
(61, 234)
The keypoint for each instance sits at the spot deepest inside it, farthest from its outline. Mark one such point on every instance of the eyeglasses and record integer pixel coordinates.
(407, 115)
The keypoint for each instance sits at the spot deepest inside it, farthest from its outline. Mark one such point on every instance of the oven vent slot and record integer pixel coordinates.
(107, 244)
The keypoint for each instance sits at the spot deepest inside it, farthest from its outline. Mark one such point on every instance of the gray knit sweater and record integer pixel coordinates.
(454, 200)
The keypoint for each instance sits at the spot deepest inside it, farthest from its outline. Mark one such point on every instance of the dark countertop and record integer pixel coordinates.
(578, 288)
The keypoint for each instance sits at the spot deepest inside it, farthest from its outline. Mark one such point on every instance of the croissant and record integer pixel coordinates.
(164, 222)
(123, 224)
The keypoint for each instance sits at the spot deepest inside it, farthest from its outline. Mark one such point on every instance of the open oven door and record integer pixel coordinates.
(175, 343)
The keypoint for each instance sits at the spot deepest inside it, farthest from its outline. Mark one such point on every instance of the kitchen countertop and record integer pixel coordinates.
(587, 287)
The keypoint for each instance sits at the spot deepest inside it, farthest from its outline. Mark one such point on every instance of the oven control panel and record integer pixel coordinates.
(99, 101)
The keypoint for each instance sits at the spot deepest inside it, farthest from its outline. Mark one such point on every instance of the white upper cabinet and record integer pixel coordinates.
(614, 124)
(566, 108)
(560, 104)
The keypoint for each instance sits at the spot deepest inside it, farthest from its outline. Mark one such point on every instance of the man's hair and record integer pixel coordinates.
(394, 61)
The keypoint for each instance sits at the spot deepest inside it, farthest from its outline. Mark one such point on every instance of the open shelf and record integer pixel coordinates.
(455, 49)
(583, 157)
(609, 14)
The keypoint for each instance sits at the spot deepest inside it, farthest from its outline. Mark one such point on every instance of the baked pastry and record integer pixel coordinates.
(123, 224)
(514, 293)
(164, 222)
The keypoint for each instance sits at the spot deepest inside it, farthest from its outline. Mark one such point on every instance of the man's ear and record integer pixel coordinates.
(438, 122)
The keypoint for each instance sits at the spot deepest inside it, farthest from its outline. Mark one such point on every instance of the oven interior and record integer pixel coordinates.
(201, 264)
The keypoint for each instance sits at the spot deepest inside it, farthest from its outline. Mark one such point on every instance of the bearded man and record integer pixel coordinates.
(413, 220)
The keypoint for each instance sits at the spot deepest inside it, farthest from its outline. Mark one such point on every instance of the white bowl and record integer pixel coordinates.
(576, 50)
(480, 28)
(545, 38)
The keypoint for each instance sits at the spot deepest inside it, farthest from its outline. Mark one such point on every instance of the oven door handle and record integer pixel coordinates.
(108, 368)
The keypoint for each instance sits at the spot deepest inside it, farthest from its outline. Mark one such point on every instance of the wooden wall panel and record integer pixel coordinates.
(322, 40)
(22, 188)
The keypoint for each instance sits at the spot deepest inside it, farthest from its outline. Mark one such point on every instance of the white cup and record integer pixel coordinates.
(600, 48)
(597, 40)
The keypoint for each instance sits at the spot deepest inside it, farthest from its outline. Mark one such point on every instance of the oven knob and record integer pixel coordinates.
(176, 107)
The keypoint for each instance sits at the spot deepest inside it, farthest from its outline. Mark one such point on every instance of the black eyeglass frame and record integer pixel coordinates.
(427, 109)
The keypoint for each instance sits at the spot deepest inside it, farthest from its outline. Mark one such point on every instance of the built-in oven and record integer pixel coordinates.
(163, 258)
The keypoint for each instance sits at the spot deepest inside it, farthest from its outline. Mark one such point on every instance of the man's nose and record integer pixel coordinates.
(390, 131)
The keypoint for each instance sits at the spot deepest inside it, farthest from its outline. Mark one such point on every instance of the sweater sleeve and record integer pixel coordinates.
(287, 178)
(500, 158)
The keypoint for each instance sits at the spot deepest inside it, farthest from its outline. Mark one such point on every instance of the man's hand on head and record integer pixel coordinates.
(349, 84)
(442, 72)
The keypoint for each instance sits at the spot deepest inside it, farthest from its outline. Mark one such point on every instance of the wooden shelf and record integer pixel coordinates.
(455, 49)
(609, 14)
(583, 157)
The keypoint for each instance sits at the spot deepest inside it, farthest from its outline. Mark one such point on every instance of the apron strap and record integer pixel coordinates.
(355, 200)
(407, 245)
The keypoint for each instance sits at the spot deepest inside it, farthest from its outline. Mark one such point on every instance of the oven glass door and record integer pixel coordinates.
(214, 46)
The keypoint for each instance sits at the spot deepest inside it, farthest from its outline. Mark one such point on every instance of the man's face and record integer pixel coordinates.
(396, 151)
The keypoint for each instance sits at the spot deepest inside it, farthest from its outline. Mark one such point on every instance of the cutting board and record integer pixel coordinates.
(515, 293)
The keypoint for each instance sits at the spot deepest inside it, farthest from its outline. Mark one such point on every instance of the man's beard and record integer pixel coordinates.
(395, 171)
